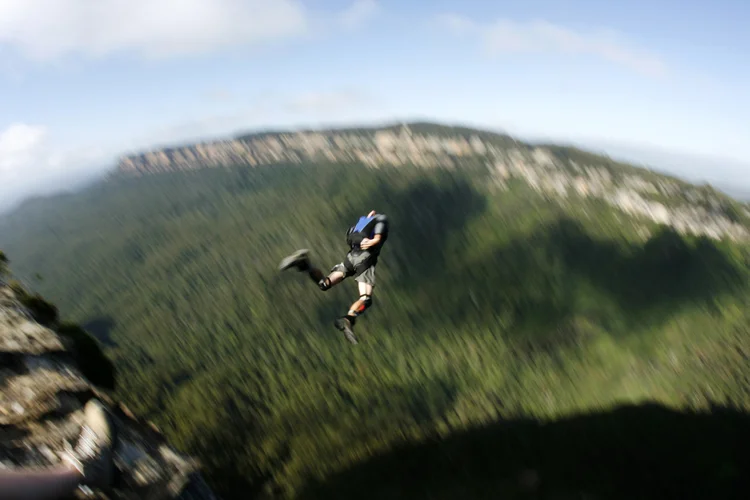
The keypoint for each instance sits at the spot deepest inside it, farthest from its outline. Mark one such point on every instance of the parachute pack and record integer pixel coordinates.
(363, 229)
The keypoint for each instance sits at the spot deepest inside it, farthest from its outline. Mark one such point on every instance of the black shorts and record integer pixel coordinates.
(360, 264)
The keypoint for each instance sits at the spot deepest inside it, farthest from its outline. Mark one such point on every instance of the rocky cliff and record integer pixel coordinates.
(423, 145)
(42, 395)
(557, 172)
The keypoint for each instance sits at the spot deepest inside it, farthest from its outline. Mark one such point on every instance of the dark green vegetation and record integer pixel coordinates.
(492, 308)
(643, 451)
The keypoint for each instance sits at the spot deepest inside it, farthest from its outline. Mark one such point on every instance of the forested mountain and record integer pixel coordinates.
(548, 169)
(501, 302)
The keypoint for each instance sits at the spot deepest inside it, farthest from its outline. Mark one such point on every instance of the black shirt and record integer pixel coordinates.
(378, 224)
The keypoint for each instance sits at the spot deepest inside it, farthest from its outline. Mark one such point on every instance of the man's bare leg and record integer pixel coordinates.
(301, 261)
(326, 282)
(363, 302)
(346, 324)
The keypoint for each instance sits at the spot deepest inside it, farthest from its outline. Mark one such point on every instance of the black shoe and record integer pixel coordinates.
(298, 259)
(345, 326)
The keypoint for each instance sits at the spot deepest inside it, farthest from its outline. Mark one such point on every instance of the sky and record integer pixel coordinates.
(661, 82)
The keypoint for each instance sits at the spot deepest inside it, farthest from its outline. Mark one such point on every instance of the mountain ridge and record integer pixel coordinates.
(551, 169)
(422, 126)
(415, 125)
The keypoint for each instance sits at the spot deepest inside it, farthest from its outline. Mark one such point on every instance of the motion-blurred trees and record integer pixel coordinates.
(489, 305)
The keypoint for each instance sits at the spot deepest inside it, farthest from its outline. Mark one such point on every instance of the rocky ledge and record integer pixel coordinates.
(42, 395)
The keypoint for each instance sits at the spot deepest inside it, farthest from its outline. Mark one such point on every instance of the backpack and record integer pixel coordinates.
(363, 229)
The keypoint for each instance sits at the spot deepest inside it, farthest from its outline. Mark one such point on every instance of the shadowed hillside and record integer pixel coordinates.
(645, 451)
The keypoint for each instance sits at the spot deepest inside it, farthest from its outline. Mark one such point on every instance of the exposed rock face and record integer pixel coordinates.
(664, 202)
(42, 394)
(372, 147)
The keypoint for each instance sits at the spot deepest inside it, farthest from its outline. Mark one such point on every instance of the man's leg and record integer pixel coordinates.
(365, 282)
(301, 260)
(326, 282)
(338, 273)
(362, 303)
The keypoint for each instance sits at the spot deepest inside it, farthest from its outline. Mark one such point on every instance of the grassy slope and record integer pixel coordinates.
(490, 305)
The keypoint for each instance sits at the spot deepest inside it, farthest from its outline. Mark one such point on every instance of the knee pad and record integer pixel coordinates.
(367, 300)
(365, 303)
(324, 284)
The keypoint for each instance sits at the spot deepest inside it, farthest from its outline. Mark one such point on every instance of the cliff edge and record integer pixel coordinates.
(42, 394)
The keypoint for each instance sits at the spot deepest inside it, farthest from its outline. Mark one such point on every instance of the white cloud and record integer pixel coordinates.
(29, 165)
(358, 13)
(46, 30)
(20, 145)
(505, 36)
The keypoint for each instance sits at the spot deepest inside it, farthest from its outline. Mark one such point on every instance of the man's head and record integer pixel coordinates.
(372, 212)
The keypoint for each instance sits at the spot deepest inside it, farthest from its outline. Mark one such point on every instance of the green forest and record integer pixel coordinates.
(516, 347)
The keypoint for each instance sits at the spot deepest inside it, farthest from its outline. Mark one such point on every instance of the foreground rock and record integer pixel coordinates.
(42, 395)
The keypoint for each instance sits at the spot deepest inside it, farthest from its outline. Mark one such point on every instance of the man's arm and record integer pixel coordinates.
(381, 227)
(370, 242)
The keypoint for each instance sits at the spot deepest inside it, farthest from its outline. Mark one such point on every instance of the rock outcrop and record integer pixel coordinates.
(42, 395)
(663, 200)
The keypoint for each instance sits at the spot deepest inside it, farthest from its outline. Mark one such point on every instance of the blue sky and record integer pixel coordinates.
(661, 81)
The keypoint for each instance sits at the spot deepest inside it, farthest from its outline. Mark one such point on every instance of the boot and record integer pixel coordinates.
(298, 259)
(345, 324)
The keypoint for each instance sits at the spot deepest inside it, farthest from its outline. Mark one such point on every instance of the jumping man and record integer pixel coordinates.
(365, 240)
